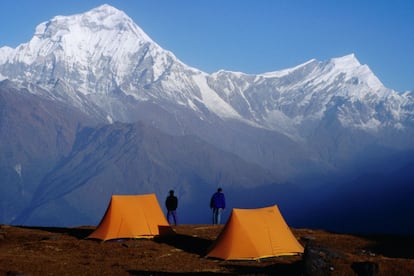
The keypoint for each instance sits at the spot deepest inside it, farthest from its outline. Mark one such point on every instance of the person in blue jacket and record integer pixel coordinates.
(218, 204)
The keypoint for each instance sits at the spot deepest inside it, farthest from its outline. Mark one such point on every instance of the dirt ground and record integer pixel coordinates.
(65, 251)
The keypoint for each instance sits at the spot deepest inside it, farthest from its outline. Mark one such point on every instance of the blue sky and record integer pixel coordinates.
(253, 36)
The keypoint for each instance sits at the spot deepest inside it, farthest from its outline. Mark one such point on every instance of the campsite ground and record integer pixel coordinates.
(65, 251)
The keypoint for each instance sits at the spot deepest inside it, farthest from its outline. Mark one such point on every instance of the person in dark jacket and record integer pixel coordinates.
(218, 204)
(171, 203)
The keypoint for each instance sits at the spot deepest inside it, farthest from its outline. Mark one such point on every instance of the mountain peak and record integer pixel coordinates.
(346, 62)
(92, 51)
(104, 17)
(355, 71)
(106, 9)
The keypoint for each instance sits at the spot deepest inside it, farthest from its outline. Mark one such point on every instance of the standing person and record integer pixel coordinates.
(171, 203)
(218, 204)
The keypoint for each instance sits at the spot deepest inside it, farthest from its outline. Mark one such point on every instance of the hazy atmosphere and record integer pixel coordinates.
(308, 105)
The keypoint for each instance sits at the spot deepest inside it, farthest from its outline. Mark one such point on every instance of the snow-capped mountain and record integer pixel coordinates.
(293, 98)
(302, 125)
(103, 52)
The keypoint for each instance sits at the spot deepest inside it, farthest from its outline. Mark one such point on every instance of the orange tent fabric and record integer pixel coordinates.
(132, 216)
(252, 234)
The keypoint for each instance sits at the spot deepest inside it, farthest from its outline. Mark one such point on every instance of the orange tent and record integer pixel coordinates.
(251, 234)
(132, 216)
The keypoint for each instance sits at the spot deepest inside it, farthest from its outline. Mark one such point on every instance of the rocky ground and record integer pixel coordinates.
(65, 251)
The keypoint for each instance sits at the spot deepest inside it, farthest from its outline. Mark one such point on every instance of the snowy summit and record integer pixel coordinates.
(102, 52)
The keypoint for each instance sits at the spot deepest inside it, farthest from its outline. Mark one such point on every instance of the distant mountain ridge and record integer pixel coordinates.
(103, 51)
(299, 126)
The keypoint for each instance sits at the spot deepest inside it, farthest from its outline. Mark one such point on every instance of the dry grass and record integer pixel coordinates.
(65, 251)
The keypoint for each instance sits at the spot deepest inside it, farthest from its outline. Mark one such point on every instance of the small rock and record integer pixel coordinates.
(366, 268)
